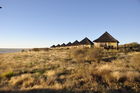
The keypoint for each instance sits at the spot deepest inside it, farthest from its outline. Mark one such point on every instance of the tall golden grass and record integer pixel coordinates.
(69, 71)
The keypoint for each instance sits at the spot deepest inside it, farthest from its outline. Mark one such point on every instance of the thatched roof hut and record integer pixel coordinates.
(53, 46)
(106, 37)
(69, 44)
(76, 43)
(86, 41)
(63, 45)
(58, 45)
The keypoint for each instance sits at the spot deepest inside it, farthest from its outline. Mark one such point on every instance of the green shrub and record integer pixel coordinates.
(40, 71)
(7, 74)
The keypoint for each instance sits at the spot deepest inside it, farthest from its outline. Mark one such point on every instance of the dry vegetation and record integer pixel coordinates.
(70, 71)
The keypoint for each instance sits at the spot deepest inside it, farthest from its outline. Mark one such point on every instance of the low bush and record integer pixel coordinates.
(35, 49)
(7, 74)
(40, 49)
(130, 47)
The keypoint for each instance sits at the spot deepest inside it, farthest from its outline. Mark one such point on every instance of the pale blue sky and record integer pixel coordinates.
(41, 23)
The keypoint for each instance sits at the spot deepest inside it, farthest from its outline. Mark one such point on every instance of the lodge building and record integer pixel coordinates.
(105, 41)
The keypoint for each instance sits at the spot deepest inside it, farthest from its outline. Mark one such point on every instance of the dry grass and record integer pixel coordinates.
(87, 54)
(58, 70)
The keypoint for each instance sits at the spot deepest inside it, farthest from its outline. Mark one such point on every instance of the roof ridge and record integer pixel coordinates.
(86, 41)
(106, 37)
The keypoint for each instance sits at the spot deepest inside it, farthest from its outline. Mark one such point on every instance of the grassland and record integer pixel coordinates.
(67, 71)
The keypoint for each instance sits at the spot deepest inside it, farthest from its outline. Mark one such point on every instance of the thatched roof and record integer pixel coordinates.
(86, 41)
(75, 43)
(69, 44)
(58, 45)
(106, 37)
(53, 46)
(63, 45)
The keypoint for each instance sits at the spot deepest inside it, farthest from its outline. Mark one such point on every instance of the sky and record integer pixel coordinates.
(42, 23)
